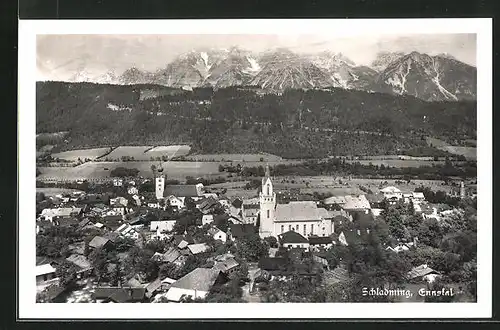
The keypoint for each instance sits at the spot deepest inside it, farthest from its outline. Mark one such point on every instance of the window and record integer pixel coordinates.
(297, 227)
(268, 190)
(282, 228)
(268, 214)
(305, 229)
(289, 227)
(312, 228)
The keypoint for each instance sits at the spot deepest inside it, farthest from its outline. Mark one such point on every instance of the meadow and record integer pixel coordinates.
(74, 155)
(235, 158)
(467, 152)
(98, 170)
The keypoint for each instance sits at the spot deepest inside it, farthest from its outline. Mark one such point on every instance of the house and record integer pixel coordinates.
(65, 222)
(401, 247)
(241, 230)
(117, 182)
(207, 205)
(206, 219)
(44, 273)
(198, 248)
(175, 256)
(217, 234)
(177, 203)
(166, 283)
(153, 204)
(376, 200)
(391, 193)
(94, 199)
(60, 213)
(316, 242)
(422, 273)
(153, 287)
(81, 262)
(196, 284)
(250, 210)
(119, 294)
(292, 239)
(113, 222)
(127, 230)
(132, 190)
(99, 242)
(85, 223)
(227, 266)
(162, 226)
(349, 202)
(118, 201)
(321, 260)
(78, 248)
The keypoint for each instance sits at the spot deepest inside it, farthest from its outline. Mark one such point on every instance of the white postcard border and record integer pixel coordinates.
(29, 309)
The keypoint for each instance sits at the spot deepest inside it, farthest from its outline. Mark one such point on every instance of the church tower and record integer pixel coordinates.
(159, 183)
(267, 201)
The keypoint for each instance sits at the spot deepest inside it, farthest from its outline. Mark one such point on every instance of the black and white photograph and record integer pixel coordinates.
(293, 164)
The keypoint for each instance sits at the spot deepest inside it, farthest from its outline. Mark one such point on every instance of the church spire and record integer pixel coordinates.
(267, 171)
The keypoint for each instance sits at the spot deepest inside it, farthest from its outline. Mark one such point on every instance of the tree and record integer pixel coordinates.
(99, 260)
(66, 271)
(124, 244)
(123, 172)
(252, 247)
(271, 241)
(168, 269)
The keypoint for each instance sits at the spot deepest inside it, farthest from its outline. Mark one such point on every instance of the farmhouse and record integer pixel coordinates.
(423, 273)
(292, 239)
(196, 284)
(60, 213)
(44, 273)
(217, 234)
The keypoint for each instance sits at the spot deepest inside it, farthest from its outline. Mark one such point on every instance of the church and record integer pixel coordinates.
(302, 217)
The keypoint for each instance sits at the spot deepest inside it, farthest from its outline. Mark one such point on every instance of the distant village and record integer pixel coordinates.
(174, 243)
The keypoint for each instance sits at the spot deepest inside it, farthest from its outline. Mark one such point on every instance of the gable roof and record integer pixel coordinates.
(292, 237)
(420, 271)
(198, 248)
(171, 255)
(390, 190)
(98, 242)
(242, 230)
(44, 269)
(181, 191)
(201, 279)
(226, 265)
(299, 211)
(160, 225)
(80, 261)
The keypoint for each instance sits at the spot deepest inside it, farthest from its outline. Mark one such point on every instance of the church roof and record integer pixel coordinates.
(292, 237)
(181, 191)
(299, 211)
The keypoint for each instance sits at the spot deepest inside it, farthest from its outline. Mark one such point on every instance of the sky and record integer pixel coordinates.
(60, 57)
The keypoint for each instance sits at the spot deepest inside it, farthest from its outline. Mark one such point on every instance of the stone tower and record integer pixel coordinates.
(159, 183)
(267, 201)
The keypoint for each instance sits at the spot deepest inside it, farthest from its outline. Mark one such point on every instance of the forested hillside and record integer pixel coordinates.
(295, 124)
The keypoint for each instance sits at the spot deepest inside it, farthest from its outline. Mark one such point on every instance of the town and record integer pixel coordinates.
(150, 239)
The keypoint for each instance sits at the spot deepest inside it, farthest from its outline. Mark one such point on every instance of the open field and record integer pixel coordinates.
(331, 185)
(56, 191)
(128, 151)
(169, 151)
(236, 158)
(82, 154)
(467, 152)
(98, 170)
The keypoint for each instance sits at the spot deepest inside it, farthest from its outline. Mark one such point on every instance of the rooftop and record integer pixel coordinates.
(420, 271)
(299, 211)
(292, 237)
(201, 279)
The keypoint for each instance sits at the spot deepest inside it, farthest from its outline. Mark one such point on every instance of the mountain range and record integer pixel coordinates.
(431, 78)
